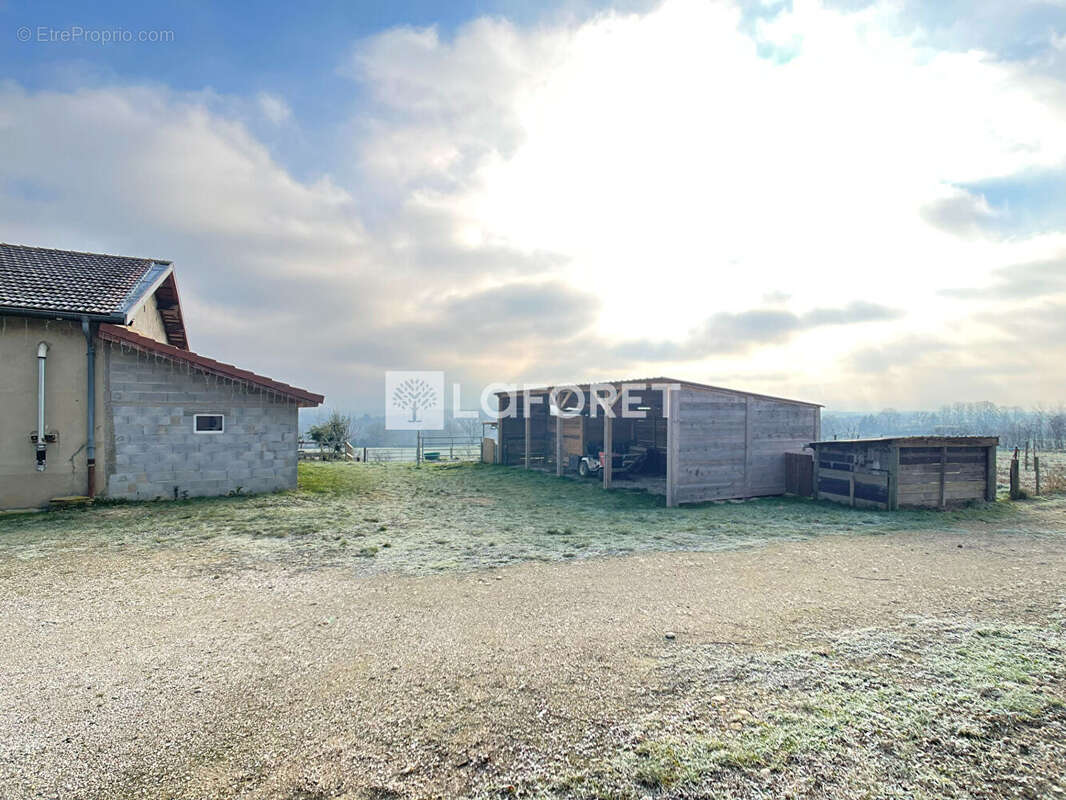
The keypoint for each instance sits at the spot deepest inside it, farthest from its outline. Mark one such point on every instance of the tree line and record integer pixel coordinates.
(1041, 426)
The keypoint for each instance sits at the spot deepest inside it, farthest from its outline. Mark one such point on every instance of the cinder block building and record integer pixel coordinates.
(101, 395)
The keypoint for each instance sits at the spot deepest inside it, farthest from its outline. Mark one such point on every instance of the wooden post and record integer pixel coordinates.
(558, 444)
(418, 448)
(582, 436)
(943, 475)
(673, 446)
(893, 478)
(526, 435)
(608, 449)
(1036, 469)
(1026, 455)
(991, 478)
(1015, 482)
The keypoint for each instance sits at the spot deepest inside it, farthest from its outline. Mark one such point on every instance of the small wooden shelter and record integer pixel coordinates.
(906, 471)
(694, 442)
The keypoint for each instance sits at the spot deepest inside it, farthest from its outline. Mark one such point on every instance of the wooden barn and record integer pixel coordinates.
(689, 441)
(906, 471)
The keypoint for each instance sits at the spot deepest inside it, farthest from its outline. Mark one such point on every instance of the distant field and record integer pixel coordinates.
(1052, 471)
(398, 517)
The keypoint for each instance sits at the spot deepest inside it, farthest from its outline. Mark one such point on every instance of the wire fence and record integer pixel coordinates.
(445, 447)
(429, 447)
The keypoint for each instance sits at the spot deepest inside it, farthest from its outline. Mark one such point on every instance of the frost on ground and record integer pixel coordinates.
(483, 632)
(387, 518)
(937, 708)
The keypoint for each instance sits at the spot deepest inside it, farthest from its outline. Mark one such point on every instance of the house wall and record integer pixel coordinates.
(147, 320)
(156, 454)
(733, 445)
(21, 486)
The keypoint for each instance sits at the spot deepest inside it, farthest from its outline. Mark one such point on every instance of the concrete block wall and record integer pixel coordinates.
(150, 405)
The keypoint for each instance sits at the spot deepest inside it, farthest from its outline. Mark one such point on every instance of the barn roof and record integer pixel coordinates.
(920, 441)
(661, 379)
(127, 338)
(67, 283)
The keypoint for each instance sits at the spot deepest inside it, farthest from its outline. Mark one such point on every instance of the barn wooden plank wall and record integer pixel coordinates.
(733, 445)
(907, 472)
(941, 476)
(799, 474)
(712, 443)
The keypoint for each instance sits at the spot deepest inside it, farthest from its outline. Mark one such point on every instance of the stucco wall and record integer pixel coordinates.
(147, 321)
(155, 452)
(21, 486)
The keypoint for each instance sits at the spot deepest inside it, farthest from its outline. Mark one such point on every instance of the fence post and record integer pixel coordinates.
(1015, 483)
(418, 448)
(1036, 469)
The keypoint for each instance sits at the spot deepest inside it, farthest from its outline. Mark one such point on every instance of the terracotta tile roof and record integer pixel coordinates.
(64, 281)
(124, 336)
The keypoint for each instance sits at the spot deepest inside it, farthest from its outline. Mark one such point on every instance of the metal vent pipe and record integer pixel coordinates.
(90, 405)
(42, 445)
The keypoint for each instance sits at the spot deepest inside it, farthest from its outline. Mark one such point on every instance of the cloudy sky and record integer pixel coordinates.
(860, 204)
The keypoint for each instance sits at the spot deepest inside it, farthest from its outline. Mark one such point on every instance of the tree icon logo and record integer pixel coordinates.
(414, 394)
(414, 400)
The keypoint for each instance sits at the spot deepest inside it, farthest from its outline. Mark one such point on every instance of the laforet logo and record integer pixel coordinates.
(414, 394)
(414, 400)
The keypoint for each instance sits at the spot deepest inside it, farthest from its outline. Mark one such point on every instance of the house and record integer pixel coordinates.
(101, 396)
(690, 441)
(906, 471)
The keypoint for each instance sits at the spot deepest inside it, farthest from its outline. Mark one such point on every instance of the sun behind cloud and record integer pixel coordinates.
(783, 201)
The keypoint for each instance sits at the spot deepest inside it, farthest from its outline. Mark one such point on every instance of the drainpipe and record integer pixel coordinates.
(90, 405)
(42, 446)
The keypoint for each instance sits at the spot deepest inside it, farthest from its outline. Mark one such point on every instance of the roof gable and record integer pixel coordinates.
(67, 283)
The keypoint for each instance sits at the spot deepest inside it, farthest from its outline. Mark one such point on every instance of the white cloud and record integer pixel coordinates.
(633, 178)
(273, 107)
(685, 173)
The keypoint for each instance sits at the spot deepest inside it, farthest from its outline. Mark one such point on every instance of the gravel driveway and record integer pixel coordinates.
(166, 674)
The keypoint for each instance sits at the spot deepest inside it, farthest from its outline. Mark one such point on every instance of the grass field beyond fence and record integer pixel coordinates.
(398, 517)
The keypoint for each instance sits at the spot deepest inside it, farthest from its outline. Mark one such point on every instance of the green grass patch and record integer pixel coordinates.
(441, 517)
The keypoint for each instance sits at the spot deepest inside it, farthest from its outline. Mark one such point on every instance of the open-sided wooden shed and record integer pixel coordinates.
(696, 442)
(906, 471)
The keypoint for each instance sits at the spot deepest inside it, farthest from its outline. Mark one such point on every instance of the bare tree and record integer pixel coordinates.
(1057, 429)
(468, 426)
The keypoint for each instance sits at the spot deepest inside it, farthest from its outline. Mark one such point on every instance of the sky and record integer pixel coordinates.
(861, 204)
